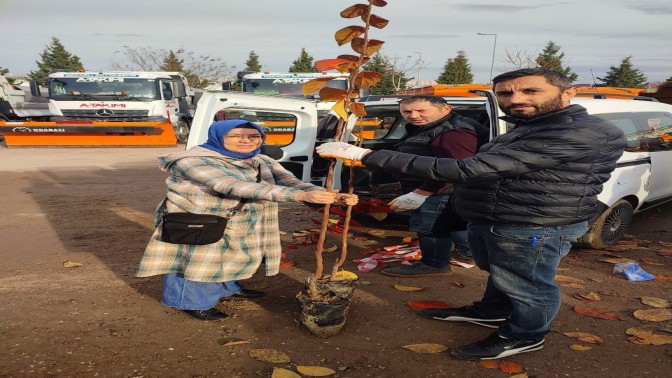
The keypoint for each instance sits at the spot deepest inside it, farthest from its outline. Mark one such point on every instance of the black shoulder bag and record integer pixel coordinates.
(196, 229)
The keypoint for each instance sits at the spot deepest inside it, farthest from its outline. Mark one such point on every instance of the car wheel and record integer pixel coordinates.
(610, 226)
(182, 131)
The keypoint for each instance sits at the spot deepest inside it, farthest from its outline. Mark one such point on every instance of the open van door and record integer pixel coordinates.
(289, 124)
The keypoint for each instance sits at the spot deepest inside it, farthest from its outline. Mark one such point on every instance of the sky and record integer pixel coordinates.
(421, 35)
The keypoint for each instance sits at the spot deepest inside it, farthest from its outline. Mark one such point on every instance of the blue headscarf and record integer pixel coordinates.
(216, 134)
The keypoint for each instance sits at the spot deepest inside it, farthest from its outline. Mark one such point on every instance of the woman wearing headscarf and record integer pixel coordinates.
(212, 179)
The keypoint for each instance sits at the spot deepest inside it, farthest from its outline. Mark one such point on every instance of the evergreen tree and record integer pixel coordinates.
(456, 71)
(383, 66)
(624, 76)
(252, 62)
(551, 59)
(304, 63)
(55, 56)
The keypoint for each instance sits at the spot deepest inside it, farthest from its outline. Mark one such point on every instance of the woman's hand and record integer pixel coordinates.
(347, 199)
(317, 196)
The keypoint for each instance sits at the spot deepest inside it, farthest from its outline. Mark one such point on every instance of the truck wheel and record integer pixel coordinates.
(609, 227)
(182, 131)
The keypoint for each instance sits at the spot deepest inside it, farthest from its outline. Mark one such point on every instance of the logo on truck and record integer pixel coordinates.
(104, 112)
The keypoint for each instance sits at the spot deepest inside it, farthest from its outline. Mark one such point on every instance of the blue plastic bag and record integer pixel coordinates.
(632, 272)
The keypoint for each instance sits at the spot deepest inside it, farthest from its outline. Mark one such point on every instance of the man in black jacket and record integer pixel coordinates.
(527, 195)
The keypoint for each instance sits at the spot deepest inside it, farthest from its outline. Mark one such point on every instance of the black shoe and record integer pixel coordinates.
(249, 294)
(495, 346)
(211, 314)
(462, 314)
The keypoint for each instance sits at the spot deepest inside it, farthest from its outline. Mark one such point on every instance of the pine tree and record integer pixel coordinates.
(551, 59)
(252, 62)
(55, 56)
(456, 71)
(304, 63)
(624, 76)
(383, 66)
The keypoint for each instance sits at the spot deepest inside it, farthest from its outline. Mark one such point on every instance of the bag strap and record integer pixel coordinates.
(234, 210)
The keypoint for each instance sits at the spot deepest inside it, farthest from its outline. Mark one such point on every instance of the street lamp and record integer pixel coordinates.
(417, 77)
(494, 47)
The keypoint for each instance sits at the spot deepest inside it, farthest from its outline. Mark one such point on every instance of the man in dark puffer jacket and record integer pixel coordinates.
(527, 195)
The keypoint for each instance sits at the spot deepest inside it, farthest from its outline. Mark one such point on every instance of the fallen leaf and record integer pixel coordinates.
(650, 261)
(654, 315)
(631, 331)
(379, 233)
(655, 302)
(614, 294)
(330, 249)
(664, 252)
(596, 313)
(286, 264)
(585, 337)
(458, 284)
(523, 375)
(590, 297)
(663, 278)
(510, 367)
(315, 371)
(574, 285)
(269, 355)
(426, 348)
(231, 341)
(71, 264)
(580, 347)
(409, 288)
(344, 275)
(419, 305)
(650, 338)
(407, 240)
(561, 278)
(283, 373)
(292, 246)
(378, 216)
(488, 364)
(616, 260)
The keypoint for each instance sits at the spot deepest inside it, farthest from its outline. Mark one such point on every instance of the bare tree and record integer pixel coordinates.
(206, 70)
(516, 59)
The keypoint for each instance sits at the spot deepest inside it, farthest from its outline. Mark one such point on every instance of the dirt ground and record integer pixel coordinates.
(94, 207)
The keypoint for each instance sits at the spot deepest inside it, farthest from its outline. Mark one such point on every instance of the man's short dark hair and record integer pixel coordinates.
(554, 78)
(436, 101)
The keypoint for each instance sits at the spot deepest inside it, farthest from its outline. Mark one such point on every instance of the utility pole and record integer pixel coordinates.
(494, 47)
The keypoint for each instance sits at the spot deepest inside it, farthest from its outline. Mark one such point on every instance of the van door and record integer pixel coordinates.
(655, 137)
(289, 124)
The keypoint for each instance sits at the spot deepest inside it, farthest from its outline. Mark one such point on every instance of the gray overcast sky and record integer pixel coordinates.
(593, 34)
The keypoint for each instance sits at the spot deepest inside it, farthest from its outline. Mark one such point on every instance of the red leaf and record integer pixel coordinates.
(510, 367)
(596, 313)
(419, 305)
(292, 246)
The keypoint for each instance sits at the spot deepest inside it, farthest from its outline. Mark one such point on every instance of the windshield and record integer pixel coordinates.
(144, 89)
(286, 86)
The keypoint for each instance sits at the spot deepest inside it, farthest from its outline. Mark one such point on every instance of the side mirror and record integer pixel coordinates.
(272, 151)
(35, 89)
(226, 86)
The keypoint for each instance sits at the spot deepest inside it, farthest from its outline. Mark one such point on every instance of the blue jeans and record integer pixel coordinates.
(432, 222)
(192, 295)
(522, 262)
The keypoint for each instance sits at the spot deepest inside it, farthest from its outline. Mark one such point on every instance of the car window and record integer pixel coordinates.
(280, 128)
(644, 131)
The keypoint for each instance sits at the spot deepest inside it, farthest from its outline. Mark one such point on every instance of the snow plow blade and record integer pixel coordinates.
(88, 134)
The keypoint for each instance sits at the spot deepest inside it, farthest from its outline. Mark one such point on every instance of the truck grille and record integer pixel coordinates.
(118, 115)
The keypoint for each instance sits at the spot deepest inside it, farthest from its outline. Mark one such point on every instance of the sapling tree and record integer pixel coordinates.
(350, 65)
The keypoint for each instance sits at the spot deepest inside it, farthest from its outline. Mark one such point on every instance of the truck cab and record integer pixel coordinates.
(121, 96)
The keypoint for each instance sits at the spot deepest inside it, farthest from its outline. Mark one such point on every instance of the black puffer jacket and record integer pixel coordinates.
(547, 171)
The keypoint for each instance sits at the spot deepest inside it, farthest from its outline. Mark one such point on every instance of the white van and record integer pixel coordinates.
(642, 179)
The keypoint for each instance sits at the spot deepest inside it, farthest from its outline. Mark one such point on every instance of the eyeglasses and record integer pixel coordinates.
(239, 137)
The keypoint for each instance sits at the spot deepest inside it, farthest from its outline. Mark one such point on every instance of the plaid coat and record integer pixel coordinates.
(205, 182)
